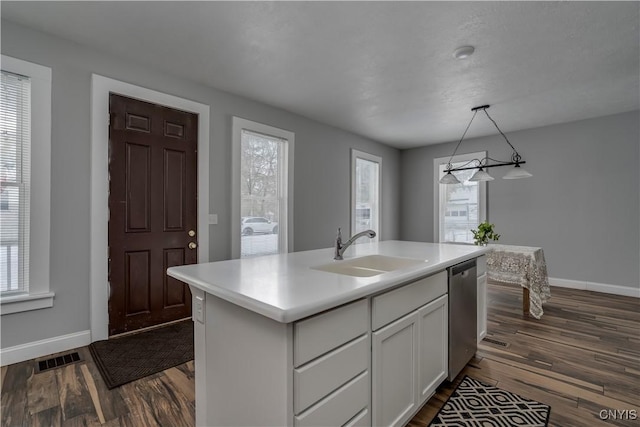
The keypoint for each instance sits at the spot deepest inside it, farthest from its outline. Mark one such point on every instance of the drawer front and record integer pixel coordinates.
(320, 334)
(396, 303)
(317, 379)
(481, 265)
(363, 419)
(340, 407)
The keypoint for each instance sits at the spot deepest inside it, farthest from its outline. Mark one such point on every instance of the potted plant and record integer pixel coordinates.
(484, 233)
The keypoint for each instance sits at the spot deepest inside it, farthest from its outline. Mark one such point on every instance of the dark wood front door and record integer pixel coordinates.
(152, 212)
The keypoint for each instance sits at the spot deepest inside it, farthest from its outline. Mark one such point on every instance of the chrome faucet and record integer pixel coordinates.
(340, 248)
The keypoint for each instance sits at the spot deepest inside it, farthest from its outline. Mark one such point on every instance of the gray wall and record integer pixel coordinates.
(581, 205)
(321, 189)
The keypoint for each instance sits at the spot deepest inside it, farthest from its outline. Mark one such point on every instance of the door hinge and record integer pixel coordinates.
(109, 120)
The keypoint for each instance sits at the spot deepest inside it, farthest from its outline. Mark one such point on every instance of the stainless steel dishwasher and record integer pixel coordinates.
(463, 305)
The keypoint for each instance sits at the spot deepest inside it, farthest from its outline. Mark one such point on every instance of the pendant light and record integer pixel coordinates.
(449, 178)
(482, 164)
(516, 173)
(481, 175)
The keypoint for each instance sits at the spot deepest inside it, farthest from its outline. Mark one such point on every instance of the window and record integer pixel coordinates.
(459, 208)
(262, 185)
(365, 192)
(25, 153)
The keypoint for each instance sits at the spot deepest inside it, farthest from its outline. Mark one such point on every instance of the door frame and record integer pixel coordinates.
(98, 277)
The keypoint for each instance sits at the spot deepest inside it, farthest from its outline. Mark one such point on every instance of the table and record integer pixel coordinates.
(524, 266)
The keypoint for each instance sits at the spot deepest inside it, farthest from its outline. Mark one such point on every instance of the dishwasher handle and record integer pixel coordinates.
(462, 267)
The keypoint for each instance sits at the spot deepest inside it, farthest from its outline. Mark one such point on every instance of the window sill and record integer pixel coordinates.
(25, 302)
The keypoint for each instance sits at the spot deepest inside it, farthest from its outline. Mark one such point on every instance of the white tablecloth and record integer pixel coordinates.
(524, 266)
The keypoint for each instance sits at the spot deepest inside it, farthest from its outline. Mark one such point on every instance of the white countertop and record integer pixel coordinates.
(285, 288)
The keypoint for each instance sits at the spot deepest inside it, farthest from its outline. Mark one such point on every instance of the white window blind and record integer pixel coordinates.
(15, 145)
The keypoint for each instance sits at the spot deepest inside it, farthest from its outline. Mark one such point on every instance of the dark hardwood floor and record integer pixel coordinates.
(582, 357)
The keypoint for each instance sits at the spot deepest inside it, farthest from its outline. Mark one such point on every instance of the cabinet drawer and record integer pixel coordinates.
(363, 419)
(481, 265)
(339, 407)
(317, 379)
(320, 334)
(396, 303)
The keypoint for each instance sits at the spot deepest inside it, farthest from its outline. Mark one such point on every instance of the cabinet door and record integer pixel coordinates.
(434, 340)
(482, 307)
(395, 371)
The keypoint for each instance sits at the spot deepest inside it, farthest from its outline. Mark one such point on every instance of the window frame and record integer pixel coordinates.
(482, 186)
(285, 223)
(357, 154)
(39, 294)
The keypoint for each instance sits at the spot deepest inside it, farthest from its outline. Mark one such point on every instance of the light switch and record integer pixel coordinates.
(199, 309)
(213, 219)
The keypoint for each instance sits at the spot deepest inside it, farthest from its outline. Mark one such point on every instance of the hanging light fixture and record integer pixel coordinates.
(482, 164)
(481, 175)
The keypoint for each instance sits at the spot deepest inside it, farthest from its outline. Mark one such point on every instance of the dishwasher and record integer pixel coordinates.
(463, 306)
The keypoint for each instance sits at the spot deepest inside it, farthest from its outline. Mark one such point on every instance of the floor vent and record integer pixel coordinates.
(56, 362)
(496, 342)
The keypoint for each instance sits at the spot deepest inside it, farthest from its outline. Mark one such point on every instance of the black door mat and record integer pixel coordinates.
(129, 358)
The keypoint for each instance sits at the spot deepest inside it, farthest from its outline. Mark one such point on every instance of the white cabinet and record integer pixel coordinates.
(321, 333)
(434, 351)
(319, 378)
(340, 407)
(331, 382)
(395, 371)
(373, 361)
(409, 355)
(392, 305)
(481, 264)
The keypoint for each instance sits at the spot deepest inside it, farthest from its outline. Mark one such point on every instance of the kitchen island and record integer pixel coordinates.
(279, 341)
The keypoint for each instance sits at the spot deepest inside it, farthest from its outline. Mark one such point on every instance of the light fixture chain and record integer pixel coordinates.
(463, 135)
(501, 133)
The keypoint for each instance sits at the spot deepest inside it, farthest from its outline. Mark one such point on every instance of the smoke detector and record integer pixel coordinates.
(463, 52)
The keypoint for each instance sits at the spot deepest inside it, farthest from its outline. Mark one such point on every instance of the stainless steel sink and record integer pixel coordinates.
(368, 266)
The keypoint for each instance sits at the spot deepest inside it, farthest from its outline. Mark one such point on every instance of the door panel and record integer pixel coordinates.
(174, 190)
(137, 282)
(174, 293)
(138, 195)
(152, 209)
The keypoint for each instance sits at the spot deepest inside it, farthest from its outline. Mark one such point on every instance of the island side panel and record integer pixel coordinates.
(249, 361)
(200, 360)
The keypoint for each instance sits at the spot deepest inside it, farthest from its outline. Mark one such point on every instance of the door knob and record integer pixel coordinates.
(193, 245)
(192, 233)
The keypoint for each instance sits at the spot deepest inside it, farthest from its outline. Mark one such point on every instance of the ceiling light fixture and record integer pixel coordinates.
(481, 164)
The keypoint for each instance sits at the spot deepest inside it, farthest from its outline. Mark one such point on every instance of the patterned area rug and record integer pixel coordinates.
(129, 358)
(474, 403)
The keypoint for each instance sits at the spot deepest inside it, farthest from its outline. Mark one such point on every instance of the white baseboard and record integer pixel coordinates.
(482, 335)
(626, 291)
(566, 283)
(32, 350)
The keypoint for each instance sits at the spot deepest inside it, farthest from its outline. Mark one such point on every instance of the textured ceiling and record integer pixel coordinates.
(380, 69)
